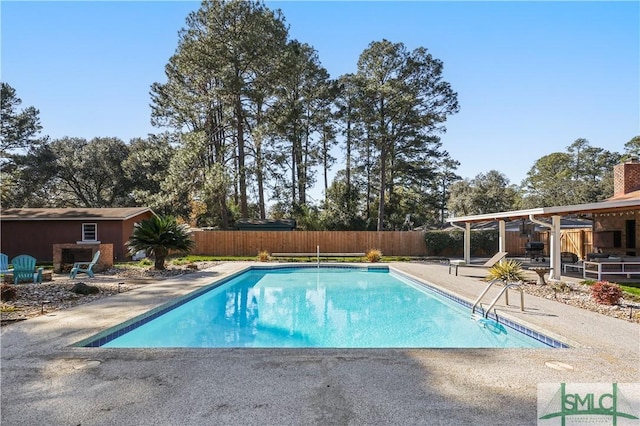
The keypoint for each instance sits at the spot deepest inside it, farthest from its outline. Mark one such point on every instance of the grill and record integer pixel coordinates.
(534, 249)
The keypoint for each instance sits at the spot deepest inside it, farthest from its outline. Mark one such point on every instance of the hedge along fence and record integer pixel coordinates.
(451, 243)
(249, 243)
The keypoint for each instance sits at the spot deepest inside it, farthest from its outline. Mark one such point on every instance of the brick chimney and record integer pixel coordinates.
(626, 177)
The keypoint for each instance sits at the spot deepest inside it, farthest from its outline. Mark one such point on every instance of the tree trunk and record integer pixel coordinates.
(160, 254)
(242, 179)
(260, 179)
(348, 142)
(383, 184)
(326, 168)
(369, 189)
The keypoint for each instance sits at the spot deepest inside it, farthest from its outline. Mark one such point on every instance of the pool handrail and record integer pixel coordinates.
(505, 289)
(477, 302)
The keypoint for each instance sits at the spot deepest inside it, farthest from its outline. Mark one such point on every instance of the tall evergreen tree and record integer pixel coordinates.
(404, 104)
(226, 47)
(632, 147)
(302, 119)
(17, 128)
(18, 145)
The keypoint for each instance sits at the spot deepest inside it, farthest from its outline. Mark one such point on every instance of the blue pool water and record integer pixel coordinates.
(320, 308)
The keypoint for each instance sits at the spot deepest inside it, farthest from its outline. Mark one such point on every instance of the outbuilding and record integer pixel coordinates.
(67, 235)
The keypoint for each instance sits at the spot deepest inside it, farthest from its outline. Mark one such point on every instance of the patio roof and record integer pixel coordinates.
(554, 213)
(590, 208)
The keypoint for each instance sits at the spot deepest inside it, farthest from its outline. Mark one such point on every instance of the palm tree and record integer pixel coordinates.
(159, 234)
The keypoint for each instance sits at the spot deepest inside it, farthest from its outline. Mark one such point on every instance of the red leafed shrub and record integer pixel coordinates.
(8, 292)
(606, 293)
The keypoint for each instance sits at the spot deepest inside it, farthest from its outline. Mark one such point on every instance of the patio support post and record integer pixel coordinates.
(554, 245)
(467, 242)
(502, 240)
(554, 252)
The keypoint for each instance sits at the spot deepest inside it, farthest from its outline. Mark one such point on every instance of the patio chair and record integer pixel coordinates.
(577, 266)
(86, 267)
(570, 261)
(24, 269)
(488, 264)
(4, 263)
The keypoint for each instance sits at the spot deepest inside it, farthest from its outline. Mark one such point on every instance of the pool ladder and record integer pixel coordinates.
(506, 296)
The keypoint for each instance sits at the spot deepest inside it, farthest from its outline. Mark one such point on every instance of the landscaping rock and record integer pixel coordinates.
(82, 288)
(8, 292)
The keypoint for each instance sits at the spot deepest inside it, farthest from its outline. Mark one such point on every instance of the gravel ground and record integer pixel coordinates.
(579, 295)
(58, 294)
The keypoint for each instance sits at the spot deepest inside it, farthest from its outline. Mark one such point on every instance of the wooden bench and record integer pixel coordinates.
(316, 255)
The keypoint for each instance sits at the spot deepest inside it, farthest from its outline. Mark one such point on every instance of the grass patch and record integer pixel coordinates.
(185, 260)
(633, 290)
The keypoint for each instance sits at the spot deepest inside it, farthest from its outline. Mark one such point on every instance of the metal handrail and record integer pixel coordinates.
(473, 308)
(505, 288)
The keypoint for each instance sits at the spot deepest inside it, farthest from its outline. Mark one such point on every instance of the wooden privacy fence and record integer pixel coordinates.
(578, 241)
(391, 243)
(249, 243)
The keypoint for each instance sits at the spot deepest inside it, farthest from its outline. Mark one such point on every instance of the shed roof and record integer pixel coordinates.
(122, 213)
(266, 224)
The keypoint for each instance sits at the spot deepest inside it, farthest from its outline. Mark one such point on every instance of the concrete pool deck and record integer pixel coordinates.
(47, 381)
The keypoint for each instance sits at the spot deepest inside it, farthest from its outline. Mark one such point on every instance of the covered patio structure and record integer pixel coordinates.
(547, 217)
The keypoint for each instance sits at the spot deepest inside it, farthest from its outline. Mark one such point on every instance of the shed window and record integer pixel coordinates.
(89, 232)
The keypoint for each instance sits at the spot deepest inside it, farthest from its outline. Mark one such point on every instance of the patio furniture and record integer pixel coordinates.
(578, 266)
(488, 264)
(24, 269)
(86, 267)
(568, 257)
(627, 266)
(4, 263)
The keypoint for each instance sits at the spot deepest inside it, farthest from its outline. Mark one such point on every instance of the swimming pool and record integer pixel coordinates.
(319, 307)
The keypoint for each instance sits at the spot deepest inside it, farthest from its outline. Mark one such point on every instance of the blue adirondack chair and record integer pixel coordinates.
(24, 269)
(86, 267)
(4, 263)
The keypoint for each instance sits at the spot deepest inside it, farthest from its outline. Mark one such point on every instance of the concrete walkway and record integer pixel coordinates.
(46, 381)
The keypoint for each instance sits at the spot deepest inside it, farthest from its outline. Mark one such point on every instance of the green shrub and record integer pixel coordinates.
(158, 236)
(484, 242)
(452, 243)
(145, 262)
(508, 271)
(437, 241)
(606, 293)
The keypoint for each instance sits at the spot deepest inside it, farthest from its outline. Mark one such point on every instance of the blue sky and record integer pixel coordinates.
(531, 77)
